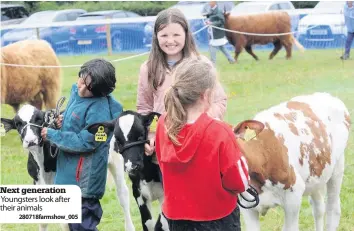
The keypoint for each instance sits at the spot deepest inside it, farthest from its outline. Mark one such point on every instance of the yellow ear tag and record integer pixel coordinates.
(249, 135)
(153, 124)
(100, 135)
(2, 129)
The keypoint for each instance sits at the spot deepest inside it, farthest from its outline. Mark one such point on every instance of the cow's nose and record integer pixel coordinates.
(135, 167)
(134, 171)
(31, 143)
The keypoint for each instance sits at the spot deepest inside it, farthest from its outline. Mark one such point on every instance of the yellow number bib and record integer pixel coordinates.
(100, 135)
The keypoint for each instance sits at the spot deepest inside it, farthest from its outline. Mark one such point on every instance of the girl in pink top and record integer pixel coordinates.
(172, 42)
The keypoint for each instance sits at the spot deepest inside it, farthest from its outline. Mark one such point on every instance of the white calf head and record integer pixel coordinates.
(28, 122)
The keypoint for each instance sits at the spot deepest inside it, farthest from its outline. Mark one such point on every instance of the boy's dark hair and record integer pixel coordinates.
(103, 76)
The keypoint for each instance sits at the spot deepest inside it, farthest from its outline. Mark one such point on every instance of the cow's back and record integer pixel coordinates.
(22, 84)
(271, 22)
(313, 130)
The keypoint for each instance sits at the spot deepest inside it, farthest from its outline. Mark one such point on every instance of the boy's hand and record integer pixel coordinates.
(150, 148)
(59, 121)
(44, 133)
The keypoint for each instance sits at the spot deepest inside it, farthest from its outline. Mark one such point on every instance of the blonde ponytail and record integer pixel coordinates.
(192, 77)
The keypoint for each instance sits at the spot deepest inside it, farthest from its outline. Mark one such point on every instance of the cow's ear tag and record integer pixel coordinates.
(100, 135)
(2, 129)
(249, 134)
(153, 124)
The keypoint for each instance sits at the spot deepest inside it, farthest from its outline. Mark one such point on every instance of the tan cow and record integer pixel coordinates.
(29, 83)
(276, 23)
(298, 150)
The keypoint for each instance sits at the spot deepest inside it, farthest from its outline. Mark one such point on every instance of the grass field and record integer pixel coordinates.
(251, 86)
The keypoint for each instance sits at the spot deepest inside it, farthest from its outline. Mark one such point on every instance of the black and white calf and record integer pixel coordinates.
(42, 157)
(41, 164)
(130, 135)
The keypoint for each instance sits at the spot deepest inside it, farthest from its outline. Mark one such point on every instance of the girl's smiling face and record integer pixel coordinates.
(171, 40)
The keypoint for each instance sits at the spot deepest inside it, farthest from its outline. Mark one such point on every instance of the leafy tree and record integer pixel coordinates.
(146, 8)
(31, 6)
(304, 4)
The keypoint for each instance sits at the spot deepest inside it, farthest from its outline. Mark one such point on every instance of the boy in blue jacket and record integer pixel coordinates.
(82, 158)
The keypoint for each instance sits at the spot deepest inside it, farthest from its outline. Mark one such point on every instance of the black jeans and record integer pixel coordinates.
(91, 215)
(228, 223)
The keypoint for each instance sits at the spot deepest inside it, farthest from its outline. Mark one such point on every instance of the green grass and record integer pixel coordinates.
(251, 86)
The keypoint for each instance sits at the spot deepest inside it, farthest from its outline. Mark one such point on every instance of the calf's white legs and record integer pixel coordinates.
(116, 167)
(318, 209)
(251, 217)
(333, 198)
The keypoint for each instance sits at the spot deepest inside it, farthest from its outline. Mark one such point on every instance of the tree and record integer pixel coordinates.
(304, 4)
(31, 6)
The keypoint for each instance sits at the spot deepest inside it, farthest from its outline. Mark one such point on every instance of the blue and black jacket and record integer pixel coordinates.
(81, 160)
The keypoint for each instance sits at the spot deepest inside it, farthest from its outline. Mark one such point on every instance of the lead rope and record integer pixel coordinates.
(56, 115)
(252, 191)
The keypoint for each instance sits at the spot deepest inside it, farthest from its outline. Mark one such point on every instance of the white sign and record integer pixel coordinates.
(84, 42)
(318, 32)
(40, 204)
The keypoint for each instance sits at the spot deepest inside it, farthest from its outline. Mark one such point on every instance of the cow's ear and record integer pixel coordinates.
(7, 124)
(108, 127)
(149, 118)
(248, 129)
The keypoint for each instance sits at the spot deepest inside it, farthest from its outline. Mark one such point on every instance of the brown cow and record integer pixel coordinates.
(30, 84)
(276, 22)
(299, 152)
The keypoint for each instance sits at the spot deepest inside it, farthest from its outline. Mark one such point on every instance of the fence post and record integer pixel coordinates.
(37, 33)
(109, 39)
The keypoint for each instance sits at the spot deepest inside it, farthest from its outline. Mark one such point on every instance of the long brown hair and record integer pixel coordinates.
(157, 63)
(192, 77)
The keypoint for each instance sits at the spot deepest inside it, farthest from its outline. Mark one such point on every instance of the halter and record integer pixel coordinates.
(252, 191)
(123, 148)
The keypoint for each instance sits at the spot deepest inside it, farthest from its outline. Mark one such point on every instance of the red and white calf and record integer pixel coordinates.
(298, 150)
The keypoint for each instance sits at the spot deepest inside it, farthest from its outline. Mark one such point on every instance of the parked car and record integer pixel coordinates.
(124, 36)
(324, 27)
(58, 37)
(12, 14)
(193, 10)
(255, 7)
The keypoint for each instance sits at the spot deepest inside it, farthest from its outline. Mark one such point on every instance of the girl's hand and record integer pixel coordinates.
(59, 121)
(44, 133)
(150, 148)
